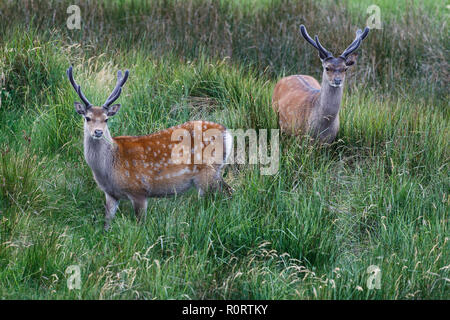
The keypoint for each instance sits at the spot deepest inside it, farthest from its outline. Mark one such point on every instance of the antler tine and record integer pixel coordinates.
(355, 42)
(116, 96)
(118, 89)
(360, 36)
(78, 88)
(307, 37)
(324, 53)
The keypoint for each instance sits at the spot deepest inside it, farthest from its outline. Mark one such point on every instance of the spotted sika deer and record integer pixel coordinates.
(160, 164)
(306, 107)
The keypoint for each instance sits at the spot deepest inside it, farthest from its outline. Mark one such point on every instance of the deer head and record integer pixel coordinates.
(334, 69)
(96, 118)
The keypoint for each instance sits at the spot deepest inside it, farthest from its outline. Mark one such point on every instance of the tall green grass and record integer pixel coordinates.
(378, 196)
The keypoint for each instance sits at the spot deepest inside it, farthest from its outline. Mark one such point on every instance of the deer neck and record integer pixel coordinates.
(329, 101)
(99, 154)
(324, 122)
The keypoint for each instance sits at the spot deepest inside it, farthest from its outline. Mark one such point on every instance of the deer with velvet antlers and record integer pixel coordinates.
(306, 107)
(160, 164)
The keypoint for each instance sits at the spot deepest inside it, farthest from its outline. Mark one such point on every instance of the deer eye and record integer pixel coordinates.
(88, 119)
(326, 68)
(106, 120)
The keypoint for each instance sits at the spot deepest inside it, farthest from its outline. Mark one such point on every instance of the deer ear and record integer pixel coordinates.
(80, 108)
(112, 110)
(351, 59)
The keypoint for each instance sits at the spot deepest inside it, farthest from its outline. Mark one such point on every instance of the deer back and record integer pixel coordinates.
(148, 164)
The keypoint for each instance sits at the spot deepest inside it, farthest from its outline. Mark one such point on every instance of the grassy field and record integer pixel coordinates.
(379, 195)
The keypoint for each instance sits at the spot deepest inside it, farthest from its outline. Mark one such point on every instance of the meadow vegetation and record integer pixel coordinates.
(379, 195)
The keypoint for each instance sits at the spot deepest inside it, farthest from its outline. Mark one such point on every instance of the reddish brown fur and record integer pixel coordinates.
(146, 160)
(293, 99)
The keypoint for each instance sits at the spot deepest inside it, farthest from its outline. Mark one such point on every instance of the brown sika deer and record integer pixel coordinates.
(160, 164)
(306, 107)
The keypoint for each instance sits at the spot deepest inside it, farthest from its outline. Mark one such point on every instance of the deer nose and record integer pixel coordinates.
(337, 81)
(98, 133)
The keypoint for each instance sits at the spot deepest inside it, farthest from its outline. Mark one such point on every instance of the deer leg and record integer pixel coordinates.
(140, 208)
(111, 208)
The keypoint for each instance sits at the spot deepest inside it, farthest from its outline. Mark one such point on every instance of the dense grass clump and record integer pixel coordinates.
(379, 195)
